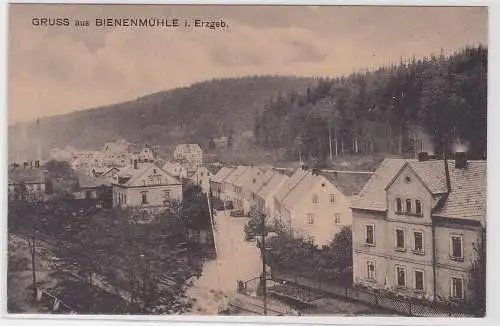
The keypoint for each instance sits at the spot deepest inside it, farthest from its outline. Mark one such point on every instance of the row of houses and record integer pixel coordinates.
(311, 203)
(416, 223)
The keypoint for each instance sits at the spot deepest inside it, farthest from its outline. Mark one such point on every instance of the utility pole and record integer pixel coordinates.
(330, 134)
(32, 246)
(263, 252)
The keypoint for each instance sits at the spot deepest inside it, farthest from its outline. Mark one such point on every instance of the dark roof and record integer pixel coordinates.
(349, 183)
(26, 175)
(467, 199)
(87, 181)
(212, 168)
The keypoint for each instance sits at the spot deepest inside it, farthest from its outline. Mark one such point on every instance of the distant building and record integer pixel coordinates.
(232, 191)
(202, 177)
(189, 155)
(96, 189)
(116, 154)
(415, 224)
(147, 154)
(217, 182)
(145, 186)
(175, 169)
(26, 182)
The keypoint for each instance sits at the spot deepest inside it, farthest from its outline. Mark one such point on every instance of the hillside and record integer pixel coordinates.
(419, 104)
(197, 113)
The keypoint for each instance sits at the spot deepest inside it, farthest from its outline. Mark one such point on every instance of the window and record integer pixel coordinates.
(336, 217)
(201, 174)
(408, 206)
(315, 199)
(332, 199)
(400, 276)
(457, 291)
(370, 270)
(418, 207)
(418, 244)
(419, 280)
(399, 205)
(154, 171)
(400, 239)
(456, 247)
(310, 218)
(144, 198)
(369, 235)
(166, 194)
(208, 174)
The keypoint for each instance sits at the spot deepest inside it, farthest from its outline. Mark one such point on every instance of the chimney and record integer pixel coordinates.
(460, 160)
(135, 164)
(423, 156)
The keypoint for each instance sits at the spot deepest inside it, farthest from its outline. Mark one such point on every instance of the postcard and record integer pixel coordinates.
(247, 160)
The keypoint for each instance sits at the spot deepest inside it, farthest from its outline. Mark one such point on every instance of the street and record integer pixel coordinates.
(236, 260)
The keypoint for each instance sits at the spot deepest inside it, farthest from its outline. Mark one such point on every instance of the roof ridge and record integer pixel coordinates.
(295, 186)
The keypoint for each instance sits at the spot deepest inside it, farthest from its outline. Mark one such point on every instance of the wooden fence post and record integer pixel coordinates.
(409, 307)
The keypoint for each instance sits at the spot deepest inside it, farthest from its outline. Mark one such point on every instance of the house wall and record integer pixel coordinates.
(386, 256)
(324, 228)
(155, 195)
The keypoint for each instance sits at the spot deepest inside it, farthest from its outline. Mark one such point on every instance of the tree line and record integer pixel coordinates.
(434, 103)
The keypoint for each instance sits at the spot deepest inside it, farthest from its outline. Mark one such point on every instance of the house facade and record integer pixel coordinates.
(312, 207)
(415, 224)
(145, 186)
(217, 182)
(265, 195)
(232, 192)
(175, 169)
(26, 182)
(202, 177)
(189, 155)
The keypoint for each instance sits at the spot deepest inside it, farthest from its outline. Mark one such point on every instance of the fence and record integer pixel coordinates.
(404, 306)
(52, 303)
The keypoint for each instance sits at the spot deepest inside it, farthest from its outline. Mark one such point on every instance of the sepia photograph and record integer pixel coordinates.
(246, 160)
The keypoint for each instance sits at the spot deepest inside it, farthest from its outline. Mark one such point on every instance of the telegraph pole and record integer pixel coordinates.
(330, 134)
(263, 252)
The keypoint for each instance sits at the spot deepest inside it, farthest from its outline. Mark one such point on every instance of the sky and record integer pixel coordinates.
(60, 69)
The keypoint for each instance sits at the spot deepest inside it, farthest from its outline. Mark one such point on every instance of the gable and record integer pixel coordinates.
(150, 174)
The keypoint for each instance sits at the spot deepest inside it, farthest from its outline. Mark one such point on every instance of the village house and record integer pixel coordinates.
(249, 184)
(116, 153)
(96, 189)
(175, 169)
(415, 224)
(189, 155)
(312, 207)
(231, 190)
(265, 195)
(202, 177)
(146, 155)
(145, 186)
(26, 182)
(217, 182)
(85, 161)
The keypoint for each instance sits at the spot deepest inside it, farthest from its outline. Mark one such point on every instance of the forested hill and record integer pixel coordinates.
(197, 113)
(418, 104)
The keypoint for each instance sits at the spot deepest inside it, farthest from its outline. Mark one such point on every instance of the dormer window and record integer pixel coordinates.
(418, 207)
(399, 205)
(408, 206)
